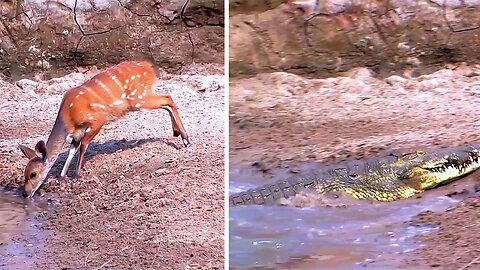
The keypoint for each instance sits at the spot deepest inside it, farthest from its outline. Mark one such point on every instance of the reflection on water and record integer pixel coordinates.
(20, 236)
(318, 237)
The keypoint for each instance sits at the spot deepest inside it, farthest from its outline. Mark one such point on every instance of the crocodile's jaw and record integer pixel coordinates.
(433, 173)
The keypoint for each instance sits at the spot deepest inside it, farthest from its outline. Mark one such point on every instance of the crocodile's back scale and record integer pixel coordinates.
(390, 178)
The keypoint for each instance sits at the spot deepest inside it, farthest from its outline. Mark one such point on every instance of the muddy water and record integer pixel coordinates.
(20, 235)
(356, 235)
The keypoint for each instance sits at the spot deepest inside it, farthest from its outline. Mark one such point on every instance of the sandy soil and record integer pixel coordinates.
(143, 200)
(455, 245)
(280, 119)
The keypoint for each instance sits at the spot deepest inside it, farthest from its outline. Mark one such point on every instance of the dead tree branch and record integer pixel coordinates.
(193, 45)
(449, 25)
(83, 32)
(305, 28)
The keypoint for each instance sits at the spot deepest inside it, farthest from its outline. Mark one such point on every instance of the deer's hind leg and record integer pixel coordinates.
(165, 102)
(90, 133)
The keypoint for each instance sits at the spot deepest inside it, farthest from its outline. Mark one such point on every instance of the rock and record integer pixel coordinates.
(160, 171)
(43, 64)
(476, 187)
(395, 79)
(413, 61)
(360, 73)
(28, 85)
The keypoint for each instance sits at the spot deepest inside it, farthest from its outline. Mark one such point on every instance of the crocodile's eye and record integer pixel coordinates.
(33, 174)
(420, 152)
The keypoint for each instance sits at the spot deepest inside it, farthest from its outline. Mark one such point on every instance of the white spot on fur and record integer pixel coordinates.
(138, 76)
(90, 118)
(114, 77)
(81, 93)
(134, 91)
(98, 105)
(138, 105)
(118, 102)
(142, 84)
(124, 95)
(140, 96)
(88, 130)
(133, 77)
(144, 73)
(126, 81)
(71, 105)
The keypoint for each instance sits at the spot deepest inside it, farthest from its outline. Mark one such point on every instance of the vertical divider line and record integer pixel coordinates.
(226, 131)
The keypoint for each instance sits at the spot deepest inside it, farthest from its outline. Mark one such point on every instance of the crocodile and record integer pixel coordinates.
(389, 178)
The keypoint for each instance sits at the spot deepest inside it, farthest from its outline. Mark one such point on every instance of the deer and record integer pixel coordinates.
(106, 97)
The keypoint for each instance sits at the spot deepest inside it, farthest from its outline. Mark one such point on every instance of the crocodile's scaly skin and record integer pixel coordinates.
(390, 178)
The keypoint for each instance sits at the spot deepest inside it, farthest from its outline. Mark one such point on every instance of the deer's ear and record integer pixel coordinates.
(28, 152)
(41, 150)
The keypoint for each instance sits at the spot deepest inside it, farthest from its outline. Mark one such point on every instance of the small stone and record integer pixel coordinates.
(360, 73)
(413, 61)
(477, 187)
(161, 171)
(28, 85)
(395, 79)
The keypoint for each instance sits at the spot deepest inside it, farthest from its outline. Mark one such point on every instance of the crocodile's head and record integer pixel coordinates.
(427, 169)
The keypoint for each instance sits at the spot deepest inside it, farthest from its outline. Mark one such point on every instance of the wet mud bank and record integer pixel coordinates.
(280, 121)
(143, 200)
(332, 231)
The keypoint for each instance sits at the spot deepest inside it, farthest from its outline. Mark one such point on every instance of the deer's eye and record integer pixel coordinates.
(33, 174)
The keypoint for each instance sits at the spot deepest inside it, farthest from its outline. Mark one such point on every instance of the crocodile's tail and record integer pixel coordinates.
(269, 194)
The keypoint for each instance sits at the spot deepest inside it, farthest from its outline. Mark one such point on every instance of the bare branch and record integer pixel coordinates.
(305, 26)
(80, 27)
(83, 32)
(182, 15)
(184, 7)
(193, 45)
(143, 15)
(104, 264)
(469, 264)
(449, 25)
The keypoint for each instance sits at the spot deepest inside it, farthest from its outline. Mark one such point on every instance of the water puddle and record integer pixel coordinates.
(359, 235)
(21, 237)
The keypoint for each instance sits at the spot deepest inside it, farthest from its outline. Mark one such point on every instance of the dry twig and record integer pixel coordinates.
(470, 263)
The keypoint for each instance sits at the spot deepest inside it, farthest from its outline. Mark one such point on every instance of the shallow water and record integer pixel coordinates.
(359, 235)
(20, 234)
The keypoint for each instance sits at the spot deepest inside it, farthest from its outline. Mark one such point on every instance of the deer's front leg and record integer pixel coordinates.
(71, 152)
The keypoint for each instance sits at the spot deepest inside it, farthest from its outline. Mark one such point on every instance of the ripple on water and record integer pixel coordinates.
(20, 236)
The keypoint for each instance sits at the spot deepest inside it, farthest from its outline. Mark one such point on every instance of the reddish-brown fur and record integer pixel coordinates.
(85, 109)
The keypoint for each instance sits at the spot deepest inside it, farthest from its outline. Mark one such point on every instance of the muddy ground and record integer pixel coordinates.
(278, 120)
(143, 200)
